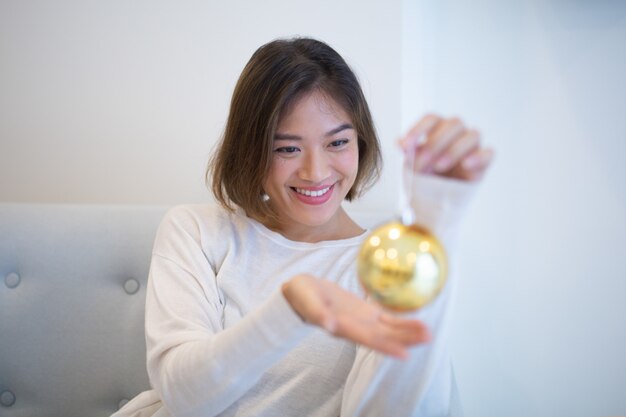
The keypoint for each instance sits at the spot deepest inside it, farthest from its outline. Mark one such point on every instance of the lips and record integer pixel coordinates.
(313, 195)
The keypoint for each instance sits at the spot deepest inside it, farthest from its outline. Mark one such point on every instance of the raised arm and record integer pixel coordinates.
(448, 161)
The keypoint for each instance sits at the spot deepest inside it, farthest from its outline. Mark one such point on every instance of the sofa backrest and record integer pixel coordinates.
(72, 291)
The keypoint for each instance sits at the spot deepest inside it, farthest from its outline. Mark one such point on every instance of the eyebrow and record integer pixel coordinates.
(283, 136)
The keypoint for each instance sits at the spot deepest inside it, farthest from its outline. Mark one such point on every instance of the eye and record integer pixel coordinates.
(286, 149)
(338, 143)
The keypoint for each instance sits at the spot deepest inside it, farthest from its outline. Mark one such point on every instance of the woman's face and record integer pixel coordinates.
(314, 165)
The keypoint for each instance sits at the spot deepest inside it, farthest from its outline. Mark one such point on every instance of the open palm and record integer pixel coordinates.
(343, 314)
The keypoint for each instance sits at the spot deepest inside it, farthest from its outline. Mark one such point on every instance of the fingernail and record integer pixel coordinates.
(471, 162)
(443, 164)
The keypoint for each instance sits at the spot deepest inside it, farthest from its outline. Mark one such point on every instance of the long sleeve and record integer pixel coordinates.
(379, 385)
(195, 365)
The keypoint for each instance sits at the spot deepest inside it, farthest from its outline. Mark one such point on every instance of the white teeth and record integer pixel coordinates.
(312, 193)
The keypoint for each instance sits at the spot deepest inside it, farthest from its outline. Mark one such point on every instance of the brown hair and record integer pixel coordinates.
(277, 74)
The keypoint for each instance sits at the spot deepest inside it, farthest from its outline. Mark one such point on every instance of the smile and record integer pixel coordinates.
(313, 196)
(312, 193)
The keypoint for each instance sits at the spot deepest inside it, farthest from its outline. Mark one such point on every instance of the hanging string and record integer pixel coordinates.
(407, 214)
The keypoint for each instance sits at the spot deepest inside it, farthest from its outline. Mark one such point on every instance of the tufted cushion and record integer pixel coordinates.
(72, 292)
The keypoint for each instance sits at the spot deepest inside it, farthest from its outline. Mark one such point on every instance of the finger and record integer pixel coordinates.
(407, 332)
(416, 135)
(445, 133)
(358, 331)
(395, 341)
(458, 150)
(480, 158)
(390, 334)
(384, 343)
(371, 334)
(410, 336)
(475, 165)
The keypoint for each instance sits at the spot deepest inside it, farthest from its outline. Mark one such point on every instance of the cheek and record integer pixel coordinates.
(277, 173)
(349, 162)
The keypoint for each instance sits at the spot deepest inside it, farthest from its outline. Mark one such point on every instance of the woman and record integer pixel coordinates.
(253, 306)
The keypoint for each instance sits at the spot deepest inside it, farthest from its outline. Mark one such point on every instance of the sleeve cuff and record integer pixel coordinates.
(439, 203)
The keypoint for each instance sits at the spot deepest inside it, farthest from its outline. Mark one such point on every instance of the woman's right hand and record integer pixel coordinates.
(343, 314)
(447, 148)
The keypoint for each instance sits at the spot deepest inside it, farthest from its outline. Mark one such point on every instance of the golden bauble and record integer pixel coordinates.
(402, 267)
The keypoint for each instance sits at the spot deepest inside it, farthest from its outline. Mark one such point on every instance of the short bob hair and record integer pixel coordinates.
(279, 73)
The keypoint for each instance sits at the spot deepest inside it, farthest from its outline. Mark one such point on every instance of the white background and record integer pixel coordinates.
(541, 316)
(120, 102)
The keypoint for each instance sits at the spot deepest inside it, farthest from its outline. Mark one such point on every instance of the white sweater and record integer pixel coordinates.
(223, 341)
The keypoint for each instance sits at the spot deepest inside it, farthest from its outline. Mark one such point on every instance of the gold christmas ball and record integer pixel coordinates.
(402, 267)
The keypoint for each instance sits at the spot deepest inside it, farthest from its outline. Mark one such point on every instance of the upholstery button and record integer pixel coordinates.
(7, 398)
(12, 280)
(131, 286)
(122, 403)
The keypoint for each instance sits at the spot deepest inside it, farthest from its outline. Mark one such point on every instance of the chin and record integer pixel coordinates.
(314, 219)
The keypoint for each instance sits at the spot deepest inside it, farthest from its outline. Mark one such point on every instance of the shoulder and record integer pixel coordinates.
(191, 216)
(196, 224)
(195, 213)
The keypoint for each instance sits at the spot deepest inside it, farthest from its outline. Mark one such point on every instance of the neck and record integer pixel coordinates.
(341, 226)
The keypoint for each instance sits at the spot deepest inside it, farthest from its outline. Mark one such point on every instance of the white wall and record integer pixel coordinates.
(541, 318)
(121, 101)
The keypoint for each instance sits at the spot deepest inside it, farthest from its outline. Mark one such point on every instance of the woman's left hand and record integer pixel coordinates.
(446, 147)
(325, 304)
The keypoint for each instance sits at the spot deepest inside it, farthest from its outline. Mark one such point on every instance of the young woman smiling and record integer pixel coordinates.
(253, 305)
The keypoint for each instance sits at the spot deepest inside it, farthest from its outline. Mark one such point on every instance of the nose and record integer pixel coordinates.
(315, 167)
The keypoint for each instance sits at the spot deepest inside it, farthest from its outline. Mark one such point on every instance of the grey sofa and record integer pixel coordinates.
(72, 290)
